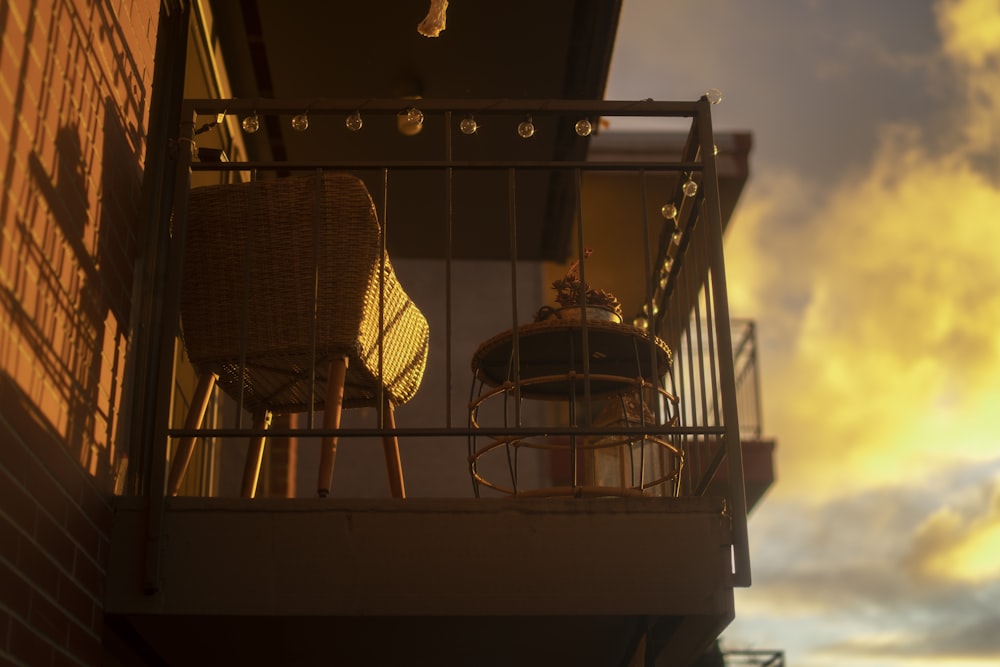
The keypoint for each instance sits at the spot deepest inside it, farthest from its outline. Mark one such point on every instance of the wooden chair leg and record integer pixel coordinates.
(255, 454)
(182, 457)
(337, 374)
(390, 444)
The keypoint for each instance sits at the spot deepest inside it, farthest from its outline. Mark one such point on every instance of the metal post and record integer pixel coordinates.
(734, 456)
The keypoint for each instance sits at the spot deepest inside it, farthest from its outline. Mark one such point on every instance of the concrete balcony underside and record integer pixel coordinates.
(489, 581)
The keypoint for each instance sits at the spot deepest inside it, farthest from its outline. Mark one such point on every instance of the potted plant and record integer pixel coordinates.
(572, 293)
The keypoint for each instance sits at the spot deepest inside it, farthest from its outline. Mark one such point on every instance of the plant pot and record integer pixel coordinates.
(598, 313)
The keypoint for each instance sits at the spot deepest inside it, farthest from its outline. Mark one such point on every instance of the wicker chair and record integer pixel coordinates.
(280, 307)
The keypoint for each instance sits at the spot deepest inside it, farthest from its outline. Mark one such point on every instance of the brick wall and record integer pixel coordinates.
(75, 79)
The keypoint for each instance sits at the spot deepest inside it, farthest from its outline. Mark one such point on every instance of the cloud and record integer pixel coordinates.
(878, 293)
(970, 30)
(890, 294)
(867, 245)
(970, 37)
(845, 579)
(961, 544)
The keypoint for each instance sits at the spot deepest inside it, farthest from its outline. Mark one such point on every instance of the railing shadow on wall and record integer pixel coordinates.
(675, 208)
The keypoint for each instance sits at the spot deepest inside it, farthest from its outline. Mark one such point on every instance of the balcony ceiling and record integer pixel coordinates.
(372, 49)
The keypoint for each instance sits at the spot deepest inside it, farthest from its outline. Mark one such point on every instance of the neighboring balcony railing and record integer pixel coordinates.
(754, 658)
(747, 379)
(681, 421)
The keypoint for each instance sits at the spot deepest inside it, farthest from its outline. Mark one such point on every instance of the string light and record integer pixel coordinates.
(251, 123)
(410, 122)
(468, 125)
(526, 129)
(354, 122)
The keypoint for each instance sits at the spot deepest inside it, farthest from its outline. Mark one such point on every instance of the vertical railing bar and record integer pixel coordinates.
(581, 272)
(699, 346)
(705, 294)
(506, 425)
(651, 279)
(167, 282)
(709, 379)
(709, 323)
(758, 407)
(680, 366)
(317, 214)
(682, 416)
(245, 318)
(211, 444)
(449, 224)
(734, 453)
(512, 230)
(380, 402)
(642, 441)
(584, 329)
(677, 438)
(693, 369)
(471, 441)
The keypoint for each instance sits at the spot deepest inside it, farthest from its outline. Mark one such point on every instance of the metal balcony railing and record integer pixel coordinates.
(754, 658)
(747, 378)
(674, 210)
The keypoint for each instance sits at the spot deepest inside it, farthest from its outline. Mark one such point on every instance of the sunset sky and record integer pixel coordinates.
(867, 247)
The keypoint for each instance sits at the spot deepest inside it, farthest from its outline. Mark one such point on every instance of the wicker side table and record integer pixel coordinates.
(574, 363)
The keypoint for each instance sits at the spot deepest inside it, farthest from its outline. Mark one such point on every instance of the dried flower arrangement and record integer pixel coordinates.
(568, 292)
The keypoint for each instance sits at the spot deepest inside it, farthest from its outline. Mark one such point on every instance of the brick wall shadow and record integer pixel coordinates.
(55, 527)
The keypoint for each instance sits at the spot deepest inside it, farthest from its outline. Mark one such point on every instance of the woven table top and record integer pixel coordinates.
(552, 362)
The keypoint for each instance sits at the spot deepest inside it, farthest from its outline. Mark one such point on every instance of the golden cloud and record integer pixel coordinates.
(889, 285)
(970, 30)
(899, 339)
(970, 39)
(962, 547)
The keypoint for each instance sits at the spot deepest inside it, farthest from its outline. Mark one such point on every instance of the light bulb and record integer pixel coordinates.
(251, 123)
(669, 211)
(354, 121)
(410, 122)
(690, 188)
(468, 125)
(526, 129)
(584, 128)
(300, 122)
(714, 95)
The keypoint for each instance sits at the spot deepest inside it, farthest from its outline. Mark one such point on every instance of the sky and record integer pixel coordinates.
(867, 248)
